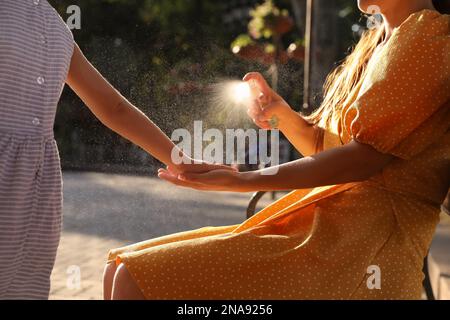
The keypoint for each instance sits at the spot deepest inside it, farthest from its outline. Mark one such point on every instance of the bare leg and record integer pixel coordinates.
(124, 287)
(108, 278)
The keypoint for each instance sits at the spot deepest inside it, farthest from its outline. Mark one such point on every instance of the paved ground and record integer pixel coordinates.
(103, 211)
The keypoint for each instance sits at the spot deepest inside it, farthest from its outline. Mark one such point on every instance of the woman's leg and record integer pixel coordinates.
(186, 235)
(108, 279)
(124, 286)
(122, 276)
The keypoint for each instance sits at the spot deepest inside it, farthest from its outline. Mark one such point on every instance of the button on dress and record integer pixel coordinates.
(326, 242)
(35, 52)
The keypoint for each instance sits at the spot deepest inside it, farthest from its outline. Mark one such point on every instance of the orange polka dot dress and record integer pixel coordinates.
(323, 243)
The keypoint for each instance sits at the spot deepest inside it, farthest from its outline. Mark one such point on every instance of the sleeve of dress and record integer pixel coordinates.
(406, 88)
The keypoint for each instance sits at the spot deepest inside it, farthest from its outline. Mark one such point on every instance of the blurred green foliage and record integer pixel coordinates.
(264, 17)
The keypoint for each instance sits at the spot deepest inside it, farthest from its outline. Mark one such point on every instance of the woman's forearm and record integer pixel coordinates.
(350, 163)
(302, 135)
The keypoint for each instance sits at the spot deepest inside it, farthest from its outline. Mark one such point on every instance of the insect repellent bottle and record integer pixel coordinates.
(263, 100)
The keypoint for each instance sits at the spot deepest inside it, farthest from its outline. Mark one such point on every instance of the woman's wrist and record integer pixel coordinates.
(248, 181)
(290, 120)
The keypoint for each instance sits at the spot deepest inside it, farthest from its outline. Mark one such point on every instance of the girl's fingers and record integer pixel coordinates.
(172, 170)
(167, 174)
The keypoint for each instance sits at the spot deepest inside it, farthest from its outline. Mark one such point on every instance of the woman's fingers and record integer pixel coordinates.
(211, 181)
(167, 176)
(257, 113)
(203, 178)
(198, 167)
(206, 167)
(263, 124)
(260, 82)
(261, 117)
(172, 170)
(213, 178)
(254, 111)
(174, 179)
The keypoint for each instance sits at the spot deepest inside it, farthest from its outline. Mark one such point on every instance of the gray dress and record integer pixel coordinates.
(35, 52)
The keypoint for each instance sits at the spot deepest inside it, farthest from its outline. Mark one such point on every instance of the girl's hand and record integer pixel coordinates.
(268, 105)
(216, 180)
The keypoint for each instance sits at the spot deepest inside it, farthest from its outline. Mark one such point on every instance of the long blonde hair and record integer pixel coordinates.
(346, 77)
(341, 83)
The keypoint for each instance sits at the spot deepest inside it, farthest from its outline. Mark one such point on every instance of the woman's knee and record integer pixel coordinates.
(108, 278)
(124, 286)
(109, 272)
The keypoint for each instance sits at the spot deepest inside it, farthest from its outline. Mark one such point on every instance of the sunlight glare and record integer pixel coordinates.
(240, 92)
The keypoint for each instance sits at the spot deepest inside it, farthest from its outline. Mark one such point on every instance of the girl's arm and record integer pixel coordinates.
(114, 111)
(352, 162)
(303, 136)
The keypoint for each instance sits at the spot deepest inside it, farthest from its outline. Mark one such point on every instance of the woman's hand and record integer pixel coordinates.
(216, 180)
(268, 105)
(190, 165)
